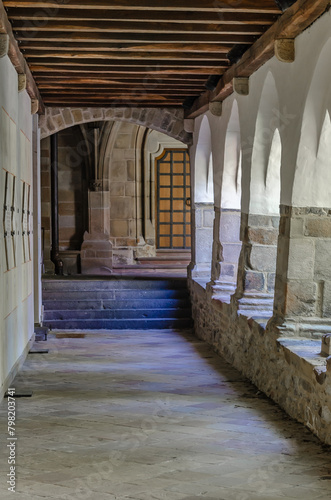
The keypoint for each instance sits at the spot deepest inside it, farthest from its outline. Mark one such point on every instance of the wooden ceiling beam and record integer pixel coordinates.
(137, 27)
(123, 56)
(148, 64)
(268, 6)
(73, 46)
(176, 79)
(100, 37)
(294, 20)
(117, 70)
(119, 91)
(17, 59)
(232, 17)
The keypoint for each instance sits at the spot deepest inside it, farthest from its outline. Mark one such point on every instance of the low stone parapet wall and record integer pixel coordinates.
(290, 371)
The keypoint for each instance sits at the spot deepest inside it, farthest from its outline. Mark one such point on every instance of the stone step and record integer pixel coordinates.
(117, 314)
(113, 284)
(116, 304)
(120, 324)
(115, 295)
(113, 304)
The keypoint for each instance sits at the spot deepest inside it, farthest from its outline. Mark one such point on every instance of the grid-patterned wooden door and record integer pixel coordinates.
(173, 200)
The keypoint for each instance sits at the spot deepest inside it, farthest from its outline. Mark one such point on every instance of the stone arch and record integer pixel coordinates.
(227, 244)
(169, 121)
(261, 225)
(231, 180)
(312, 174)
(265, 154)
(203, 165)
(203, 201)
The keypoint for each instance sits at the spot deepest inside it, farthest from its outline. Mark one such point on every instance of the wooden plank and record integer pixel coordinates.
(142, 37)
(294, 20)
(129, 63)
(125, 78)
(122, 56)
(137, 27)
(18, 60)
(151, 15)
(75, 46)
(166, 87)
(117, 70)
(268, 6)
(139, 92)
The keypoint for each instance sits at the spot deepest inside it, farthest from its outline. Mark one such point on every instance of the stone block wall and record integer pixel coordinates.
(203, 226)
(260, 238)
(303, 284)
(293, 375)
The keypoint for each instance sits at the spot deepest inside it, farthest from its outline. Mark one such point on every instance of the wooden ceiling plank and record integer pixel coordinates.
(129, 63)
(137, 27)
(145, 56)
(147, 72)
(232, 17)
(79, 37)
(268, 6)
(74, 46)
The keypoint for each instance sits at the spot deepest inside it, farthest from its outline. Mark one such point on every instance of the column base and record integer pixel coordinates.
(96, 254)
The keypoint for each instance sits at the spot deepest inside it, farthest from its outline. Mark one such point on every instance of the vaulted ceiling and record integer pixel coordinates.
(134, 52)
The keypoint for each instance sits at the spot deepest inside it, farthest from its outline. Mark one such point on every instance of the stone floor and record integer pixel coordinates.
(153, 415)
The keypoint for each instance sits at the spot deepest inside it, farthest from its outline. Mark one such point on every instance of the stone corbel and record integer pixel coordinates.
(34, 106)
(241, 85)
(215, 107)
(4, 44)
(189, 125)
(21, 82)
(285, 50)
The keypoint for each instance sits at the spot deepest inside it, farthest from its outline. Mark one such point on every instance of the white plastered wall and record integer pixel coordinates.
(16, 284)
(286, 109)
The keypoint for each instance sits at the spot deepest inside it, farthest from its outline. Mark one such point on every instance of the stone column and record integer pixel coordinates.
(256, 275)
(202, 240)
(303, 279)
(96, 250)
(226, 251)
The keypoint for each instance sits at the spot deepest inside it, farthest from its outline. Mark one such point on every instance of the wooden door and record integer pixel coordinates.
(173, 211)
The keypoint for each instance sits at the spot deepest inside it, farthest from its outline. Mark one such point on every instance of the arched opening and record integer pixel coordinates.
(226, 266)
(262, 222)
(203, 203)
(106, 177)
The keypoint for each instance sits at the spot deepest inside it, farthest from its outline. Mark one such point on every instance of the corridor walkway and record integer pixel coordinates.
(153, 415)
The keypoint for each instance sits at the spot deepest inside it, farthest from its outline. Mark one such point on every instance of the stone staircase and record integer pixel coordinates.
(116, 304)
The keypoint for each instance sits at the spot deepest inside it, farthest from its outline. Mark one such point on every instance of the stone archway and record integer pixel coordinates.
(170, 121)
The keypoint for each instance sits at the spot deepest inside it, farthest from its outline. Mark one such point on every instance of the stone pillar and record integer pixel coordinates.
(226, 251)
(303, 280)
(96, 250)
(256, 275)
(202, 240)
